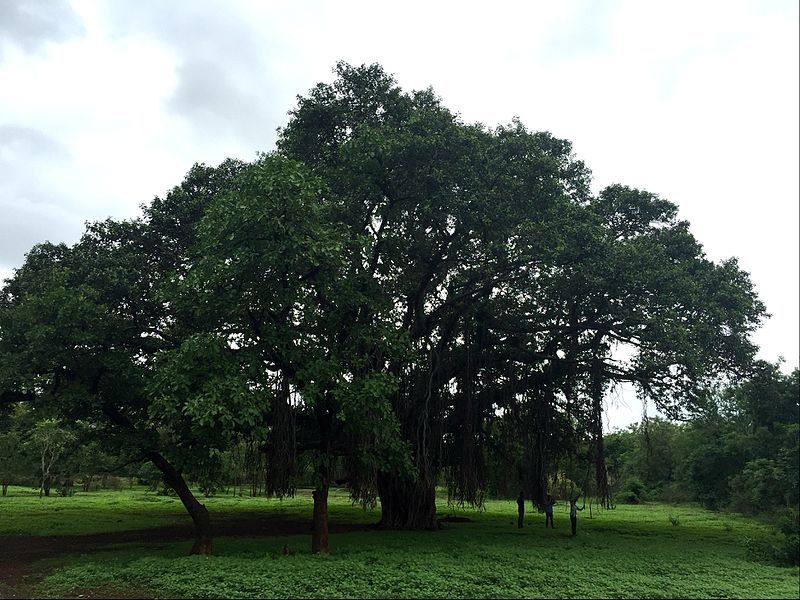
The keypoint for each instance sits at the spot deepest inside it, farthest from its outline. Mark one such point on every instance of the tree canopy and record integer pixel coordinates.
(402, 298)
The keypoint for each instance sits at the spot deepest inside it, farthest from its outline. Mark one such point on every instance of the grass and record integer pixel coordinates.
(653, 551)
(23, 512)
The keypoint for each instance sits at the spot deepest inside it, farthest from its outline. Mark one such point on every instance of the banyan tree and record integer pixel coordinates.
(406, 298)
(515, 287)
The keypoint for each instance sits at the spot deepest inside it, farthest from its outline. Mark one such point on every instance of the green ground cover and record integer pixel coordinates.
(654, 551)
(23, 512)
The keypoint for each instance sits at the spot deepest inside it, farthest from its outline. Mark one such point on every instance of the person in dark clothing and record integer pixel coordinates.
(548, 511)
(520, 509)
(573, 514)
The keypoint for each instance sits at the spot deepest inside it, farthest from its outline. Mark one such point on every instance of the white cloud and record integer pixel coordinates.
(32, 24)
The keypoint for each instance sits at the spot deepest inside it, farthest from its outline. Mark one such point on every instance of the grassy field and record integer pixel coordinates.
(22, 512)
(653, 551)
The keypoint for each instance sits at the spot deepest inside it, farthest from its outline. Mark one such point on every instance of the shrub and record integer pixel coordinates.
(789, 526)
(112, 482)
(782, 548)
(65, 490)
(633, 492)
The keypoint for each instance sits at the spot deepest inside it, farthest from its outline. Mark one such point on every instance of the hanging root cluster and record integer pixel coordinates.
(281, 462)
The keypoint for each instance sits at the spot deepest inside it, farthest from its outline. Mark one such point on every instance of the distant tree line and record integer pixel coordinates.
(391, 300)
(742, 453)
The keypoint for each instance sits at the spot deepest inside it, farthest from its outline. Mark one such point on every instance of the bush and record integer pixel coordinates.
(762, 549)
(789, 526)
(111, 482)
(675, 493)
(790, 550)
(166, 491)
(777, 548)
(65, 490)
(149, 475)
(633, 492)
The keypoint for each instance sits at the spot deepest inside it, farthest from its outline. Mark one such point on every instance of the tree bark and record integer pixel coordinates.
(411, 503)
(198, 512)
(319, 537)
(406, 504)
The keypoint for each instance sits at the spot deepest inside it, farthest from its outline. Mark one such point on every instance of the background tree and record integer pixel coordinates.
(727, 456)
(80, 327)
(14, 464)
(49, 440)
(514, 287)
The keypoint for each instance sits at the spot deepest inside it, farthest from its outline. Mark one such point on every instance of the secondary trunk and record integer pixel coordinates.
(319, 537)
(601, 474)
(198, 512)
(406, 504)
(537, 424)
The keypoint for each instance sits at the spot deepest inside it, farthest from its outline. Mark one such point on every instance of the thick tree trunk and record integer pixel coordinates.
(198, 512)
(319, 536)
(406, 504)
(537, 473)
(411, 503)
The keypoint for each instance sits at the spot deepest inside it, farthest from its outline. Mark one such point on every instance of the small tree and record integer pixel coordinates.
(49, 440)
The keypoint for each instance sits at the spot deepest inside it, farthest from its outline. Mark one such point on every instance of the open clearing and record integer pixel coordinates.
(135, 544)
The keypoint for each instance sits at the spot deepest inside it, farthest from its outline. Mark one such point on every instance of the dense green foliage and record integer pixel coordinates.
(742, 454)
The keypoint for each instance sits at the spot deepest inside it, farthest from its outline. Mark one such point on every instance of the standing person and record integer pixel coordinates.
(520, 509)
(573, 513)
(548, 511)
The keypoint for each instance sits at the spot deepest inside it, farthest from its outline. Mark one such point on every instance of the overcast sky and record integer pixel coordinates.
(104, 105)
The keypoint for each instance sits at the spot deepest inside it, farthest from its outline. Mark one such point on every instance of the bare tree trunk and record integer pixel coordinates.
(44, 476)
(198, 511)
(173, 478)
(319, 537)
